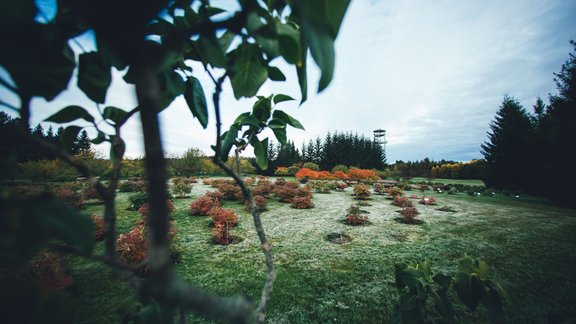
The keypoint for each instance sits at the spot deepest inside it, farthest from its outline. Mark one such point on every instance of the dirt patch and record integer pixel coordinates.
(338, 238)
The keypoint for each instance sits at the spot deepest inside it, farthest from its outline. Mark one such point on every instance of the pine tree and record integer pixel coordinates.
(558, 129)
(508, 148)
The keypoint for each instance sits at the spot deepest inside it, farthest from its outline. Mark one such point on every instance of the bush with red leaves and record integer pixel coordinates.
(221, 216)
(203, 205)
(427, 201)
(402, 201)
(393, 192)
(132, 247)
(70, 197)
(98, 227)
(340, 186)
(47, 271)
(355, 216)
(302, 203)
(91, 193)
(285, 194)
(409, 215)
(221, 234)
(144, 209)
(230, 191)
(260, 202)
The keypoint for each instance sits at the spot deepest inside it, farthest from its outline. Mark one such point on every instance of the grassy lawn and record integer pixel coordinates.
(468, 182)
(528, 244)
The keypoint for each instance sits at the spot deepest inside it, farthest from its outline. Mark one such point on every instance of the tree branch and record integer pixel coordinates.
(266, 248)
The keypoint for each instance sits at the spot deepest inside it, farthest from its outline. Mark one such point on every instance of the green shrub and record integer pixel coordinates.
(137, 200)
(292, 170)
(341, 168)
(311, 165)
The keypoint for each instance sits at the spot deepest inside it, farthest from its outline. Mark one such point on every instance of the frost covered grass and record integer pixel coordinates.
(531, 246)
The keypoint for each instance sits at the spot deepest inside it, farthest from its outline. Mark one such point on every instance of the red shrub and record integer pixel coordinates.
(402, 201)
(70, 197)
(355, 217)
(304, 192)
(203, 205)
(230, 191)
(409, 214)
(221, 216)
(47, 271)
(292, 184)
(285, 194)
(98, 227)
(261, 190)
(221, 234)
(215, 196)
(90, 193)
(427, 200)
(132, 246)
(302, 203)
(361, 192)
(260, 202)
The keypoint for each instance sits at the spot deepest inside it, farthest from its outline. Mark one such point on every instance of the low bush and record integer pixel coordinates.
(221, 234)
(340, 186)
(302, 203)
(361, 192)
(203, 205)
(340, 168)
(260, 202)
(394, 191)
(90, 193)
(98, 221)
(281, 172)
(340, 175)
(48, 271)
(230, 192)
(181, 189)
(447, 209)
(133, 186)
(285, 194)
(311, 165)
(427, 201)
(70, 197)
(138, 199)
(409, 215)
(361, 174)
(402, 201)
(144, 210)
(221, 216)
(292, 170)
(355, 217)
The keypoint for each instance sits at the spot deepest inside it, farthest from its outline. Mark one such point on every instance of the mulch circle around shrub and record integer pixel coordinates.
(338, 238)
(414, 222)
(235, 240)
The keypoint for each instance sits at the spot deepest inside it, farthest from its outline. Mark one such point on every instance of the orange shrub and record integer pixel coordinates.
(340, 175)
(361, 174)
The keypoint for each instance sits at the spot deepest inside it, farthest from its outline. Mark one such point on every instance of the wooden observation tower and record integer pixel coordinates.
(380, 138)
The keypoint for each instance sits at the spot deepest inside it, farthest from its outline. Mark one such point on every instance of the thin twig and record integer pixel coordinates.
(8, 86)
(266, 248)
(9, 106)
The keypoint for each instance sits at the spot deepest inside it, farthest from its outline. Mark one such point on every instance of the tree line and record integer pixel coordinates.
(534, 152)
(23, 151)
(335, 149)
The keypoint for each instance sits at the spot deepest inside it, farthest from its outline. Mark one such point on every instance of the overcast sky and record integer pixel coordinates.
(431, 73)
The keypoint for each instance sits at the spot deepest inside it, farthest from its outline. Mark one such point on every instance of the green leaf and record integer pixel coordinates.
(280, 133)
(117, 115)
(250, 70)
(246, 119)
(211, 51)
(172, 86)
(281, 98)
(279, 114)
(196, 100)
(69, 114)
(321, 20)
(159, 27)
(228, 140)
(466, 265)
(275, 74)
(117, 148)
(226, 39)
(469, 289)
(69, 136)
(262, 109)
(288, 42)
(301, 71)
(99, 139)
(94, 76)
(276, 124)
(40, 61)
(260, 150)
